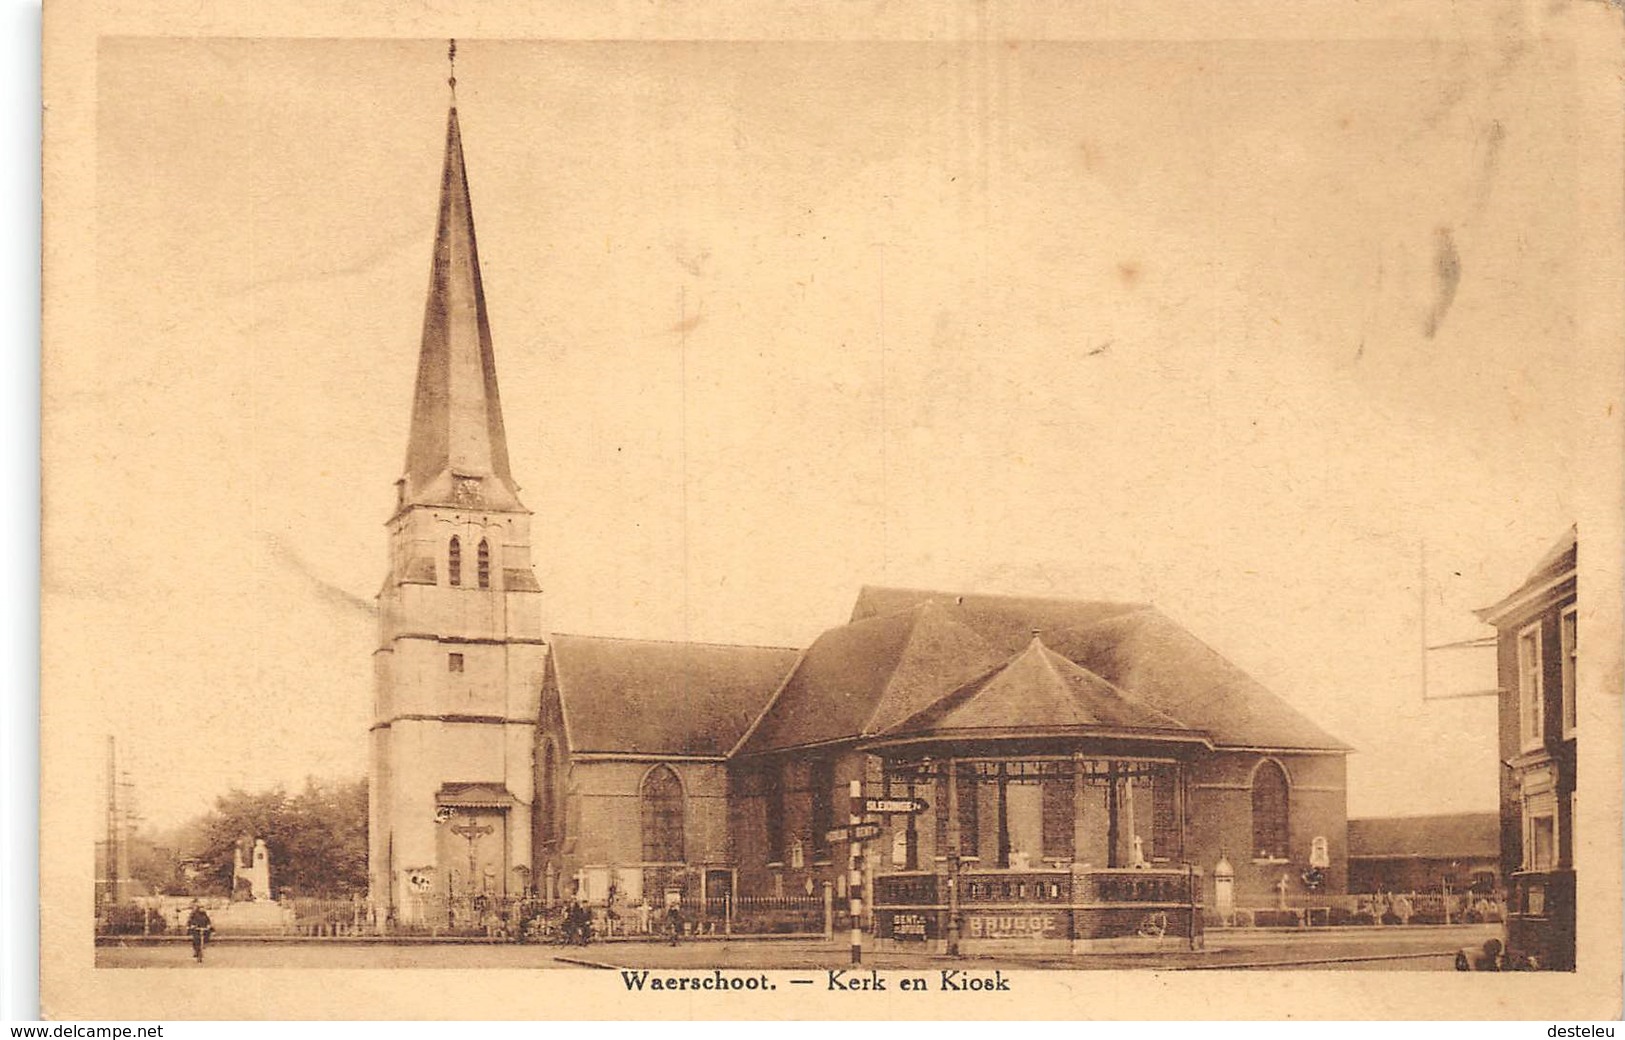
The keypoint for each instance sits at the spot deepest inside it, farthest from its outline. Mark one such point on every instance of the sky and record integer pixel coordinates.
(1278, 337)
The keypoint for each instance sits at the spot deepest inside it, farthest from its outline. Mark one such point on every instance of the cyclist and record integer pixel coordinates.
(199, 925)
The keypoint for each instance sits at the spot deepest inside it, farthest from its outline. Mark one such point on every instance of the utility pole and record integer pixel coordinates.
(116, 857)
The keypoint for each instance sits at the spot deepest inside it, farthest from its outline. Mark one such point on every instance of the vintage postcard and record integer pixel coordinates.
(974, 512)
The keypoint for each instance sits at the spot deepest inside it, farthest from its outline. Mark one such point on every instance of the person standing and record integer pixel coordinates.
(199, 925)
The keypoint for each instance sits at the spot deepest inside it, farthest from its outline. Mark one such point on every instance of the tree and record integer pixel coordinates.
(317, 839)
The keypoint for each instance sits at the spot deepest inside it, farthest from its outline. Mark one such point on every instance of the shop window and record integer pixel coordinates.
(661, 798)
(1530, 707)
(454, 562)
(1270, 824)
(1568, 627)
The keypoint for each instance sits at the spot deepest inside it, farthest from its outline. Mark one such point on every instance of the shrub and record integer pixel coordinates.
(128, 919)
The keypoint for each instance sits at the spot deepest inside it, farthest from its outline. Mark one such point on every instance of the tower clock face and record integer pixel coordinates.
(467, 491)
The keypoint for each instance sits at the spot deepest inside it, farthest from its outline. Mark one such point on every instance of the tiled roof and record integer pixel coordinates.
(907, 650)
(1455, 836)
(1158, 661)
(651, 697)
(862, 677)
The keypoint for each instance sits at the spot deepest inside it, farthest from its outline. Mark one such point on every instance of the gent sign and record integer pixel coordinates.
(857, 832)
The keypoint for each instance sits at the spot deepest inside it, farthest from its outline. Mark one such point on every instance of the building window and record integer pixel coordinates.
(823, 808)
(1530, 708)
(1269, 811)
(1541, 842)
(483, 562)
(662, 801)
(773, 806)
(454, 662)
(1568, 626)
(454, 562)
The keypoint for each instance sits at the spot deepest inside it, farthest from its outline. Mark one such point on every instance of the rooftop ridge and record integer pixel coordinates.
(674, 642)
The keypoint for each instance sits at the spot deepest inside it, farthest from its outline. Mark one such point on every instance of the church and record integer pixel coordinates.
(1089, 757)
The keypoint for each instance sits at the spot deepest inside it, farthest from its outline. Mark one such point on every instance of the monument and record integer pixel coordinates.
(251, 878)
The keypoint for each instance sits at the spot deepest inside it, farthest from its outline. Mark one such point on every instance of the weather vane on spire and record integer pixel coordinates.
(451, 60)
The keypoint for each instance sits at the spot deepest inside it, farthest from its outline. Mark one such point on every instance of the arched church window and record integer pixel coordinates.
(662, 802)
(1269, 811)
(547, 796)
(483, 561)
(454, 562)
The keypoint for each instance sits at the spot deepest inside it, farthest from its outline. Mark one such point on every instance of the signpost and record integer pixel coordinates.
(854, 882)
(854, 833)
(895, 806)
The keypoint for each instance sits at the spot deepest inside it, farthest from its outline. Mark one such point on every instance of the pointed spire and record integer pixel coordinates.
(458, 453)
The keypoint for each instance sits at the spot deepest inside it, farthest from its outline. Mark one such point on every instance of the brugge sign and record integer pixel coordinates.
(890, 806)
(1040, 925)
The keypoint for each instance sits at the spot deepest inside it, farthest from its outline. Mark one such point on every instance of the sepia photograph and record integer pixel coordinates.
(775, 518)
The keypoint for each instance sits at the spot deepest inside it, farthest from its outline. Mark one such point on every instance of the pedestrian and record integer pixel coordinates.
(674, 921)
(567, 922)
(199, 925)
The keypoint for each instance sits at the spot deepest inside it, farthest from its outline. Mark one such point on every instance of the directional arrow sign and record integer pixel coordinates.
(857, 832)
(896, 805)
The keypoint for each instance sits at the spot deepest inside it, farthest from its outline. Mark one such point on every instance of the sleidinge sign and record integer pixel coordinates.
(1038, 925)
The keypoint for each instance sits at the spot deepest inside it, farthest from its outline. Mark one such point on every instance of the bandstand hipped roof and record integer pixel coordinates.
(1038, 689)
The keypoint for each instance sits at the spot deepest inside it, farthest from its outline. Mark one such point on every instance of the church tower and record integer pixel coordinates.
(461, 649)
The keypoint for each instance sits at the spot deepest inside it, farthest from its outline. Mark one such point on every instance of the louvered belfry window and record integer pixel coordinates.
(1269, 811)
(454, 562)
(662, 801)
(483, 561)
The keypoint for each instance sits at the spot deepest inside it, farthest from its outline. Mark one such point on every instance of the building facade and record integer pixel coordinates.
(1069, 754)
(1537, 662)
(1454, 852)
